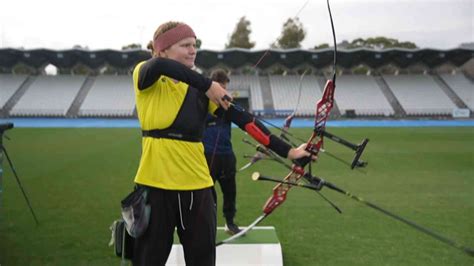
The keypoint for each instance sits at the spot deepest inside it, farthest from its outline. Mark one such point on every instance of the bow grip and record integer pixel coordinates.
(302, 162)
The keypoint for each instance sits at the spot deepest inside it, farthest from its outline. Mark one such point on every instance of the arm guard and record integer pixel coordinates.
(258, 131)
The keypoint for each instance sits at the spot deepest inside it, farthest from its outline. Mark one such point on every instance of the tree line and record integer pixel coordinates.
(292, 35)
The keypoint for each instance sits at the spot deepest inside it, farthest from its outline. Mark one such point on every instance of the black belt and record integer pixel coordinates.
(170, 134)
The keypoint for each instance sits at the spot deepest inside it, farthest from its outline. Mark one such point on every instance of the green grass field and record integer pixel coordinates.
(75, 179)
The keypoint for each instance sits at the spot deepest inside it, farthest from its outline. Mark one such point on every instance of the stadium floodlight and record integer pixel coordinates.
(4, 127)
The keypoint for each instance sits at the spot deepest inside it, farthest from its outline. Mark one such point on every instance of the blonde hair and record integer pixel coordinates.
(160, 30)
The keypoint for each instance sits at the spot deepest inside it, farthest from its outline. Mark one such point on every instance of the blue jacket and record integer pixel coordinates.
(217, 135)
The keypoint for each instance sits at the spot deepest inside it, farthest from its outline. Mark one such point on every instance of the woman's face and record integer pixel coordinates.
(183, 51)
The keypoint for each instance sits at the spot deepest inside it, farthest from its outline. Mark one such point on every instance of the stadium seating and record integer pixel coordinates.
(361, 94)
(8, 85)
(420, 95)
(251, 83)
(48, 96)
(285, 91)
(113, 96)
(462, 86)
(109, 96)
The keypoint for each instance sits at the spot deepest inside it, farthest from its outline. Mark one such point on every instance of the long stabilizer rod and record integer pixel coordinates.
(317, 183)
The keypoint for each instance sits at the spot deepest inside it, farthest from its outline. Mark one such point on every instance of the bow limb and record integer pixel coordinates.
(315, 142)
(278, 197)
(244, 231)
(325, 104)
(287, 123)
(283, 134)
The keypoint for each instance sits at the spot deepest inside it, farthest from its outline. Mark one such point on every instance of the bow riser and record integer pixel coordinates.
(280, 190)
(314, 144)
(323, 108)
(324, 105)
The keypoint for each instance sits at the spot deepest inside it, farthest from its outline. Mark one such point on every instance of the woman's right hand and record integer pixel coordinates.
(216, 94)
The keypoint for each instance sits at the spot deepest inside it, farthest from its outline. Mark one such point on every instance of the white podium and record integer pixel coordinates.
(260, 247)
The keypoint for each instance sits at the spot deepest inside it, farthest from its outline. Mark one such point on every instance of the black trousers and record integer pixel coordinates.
(222, 168)
(193, 213)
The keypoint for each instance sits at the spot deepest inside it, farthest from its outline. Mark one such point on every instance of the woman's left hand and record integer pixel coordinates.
(300, 152)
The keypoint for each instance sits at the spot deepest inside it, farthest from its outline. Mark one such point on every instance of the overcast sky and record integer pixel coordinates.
(110, 24)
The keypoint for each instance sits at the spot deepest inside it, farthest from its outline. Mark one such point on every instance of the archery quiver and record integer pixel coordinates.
(133, 223)
(122, 241)
(136, 211)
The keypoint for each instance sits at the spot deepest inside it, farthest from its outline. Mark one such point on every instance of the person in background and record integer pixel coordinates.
(221, 158)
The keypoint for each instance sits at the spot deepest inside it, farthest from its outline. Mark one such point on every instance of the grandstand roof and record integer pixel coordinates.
(236, 58)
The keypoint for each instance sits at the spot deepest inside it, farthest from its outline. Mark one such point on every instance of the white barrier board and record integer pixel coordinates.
(260, 246)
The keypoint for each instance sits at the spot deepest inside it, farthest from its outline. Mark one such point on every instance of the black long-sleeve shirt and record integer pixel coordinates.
(154, 68)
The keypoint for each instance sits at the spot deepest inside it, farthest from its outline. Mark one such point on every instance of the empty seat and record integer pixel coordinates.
(48, 96)
(8, 86)
(420, 95)
(361, 94)
(109, 96)
(462, 86)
